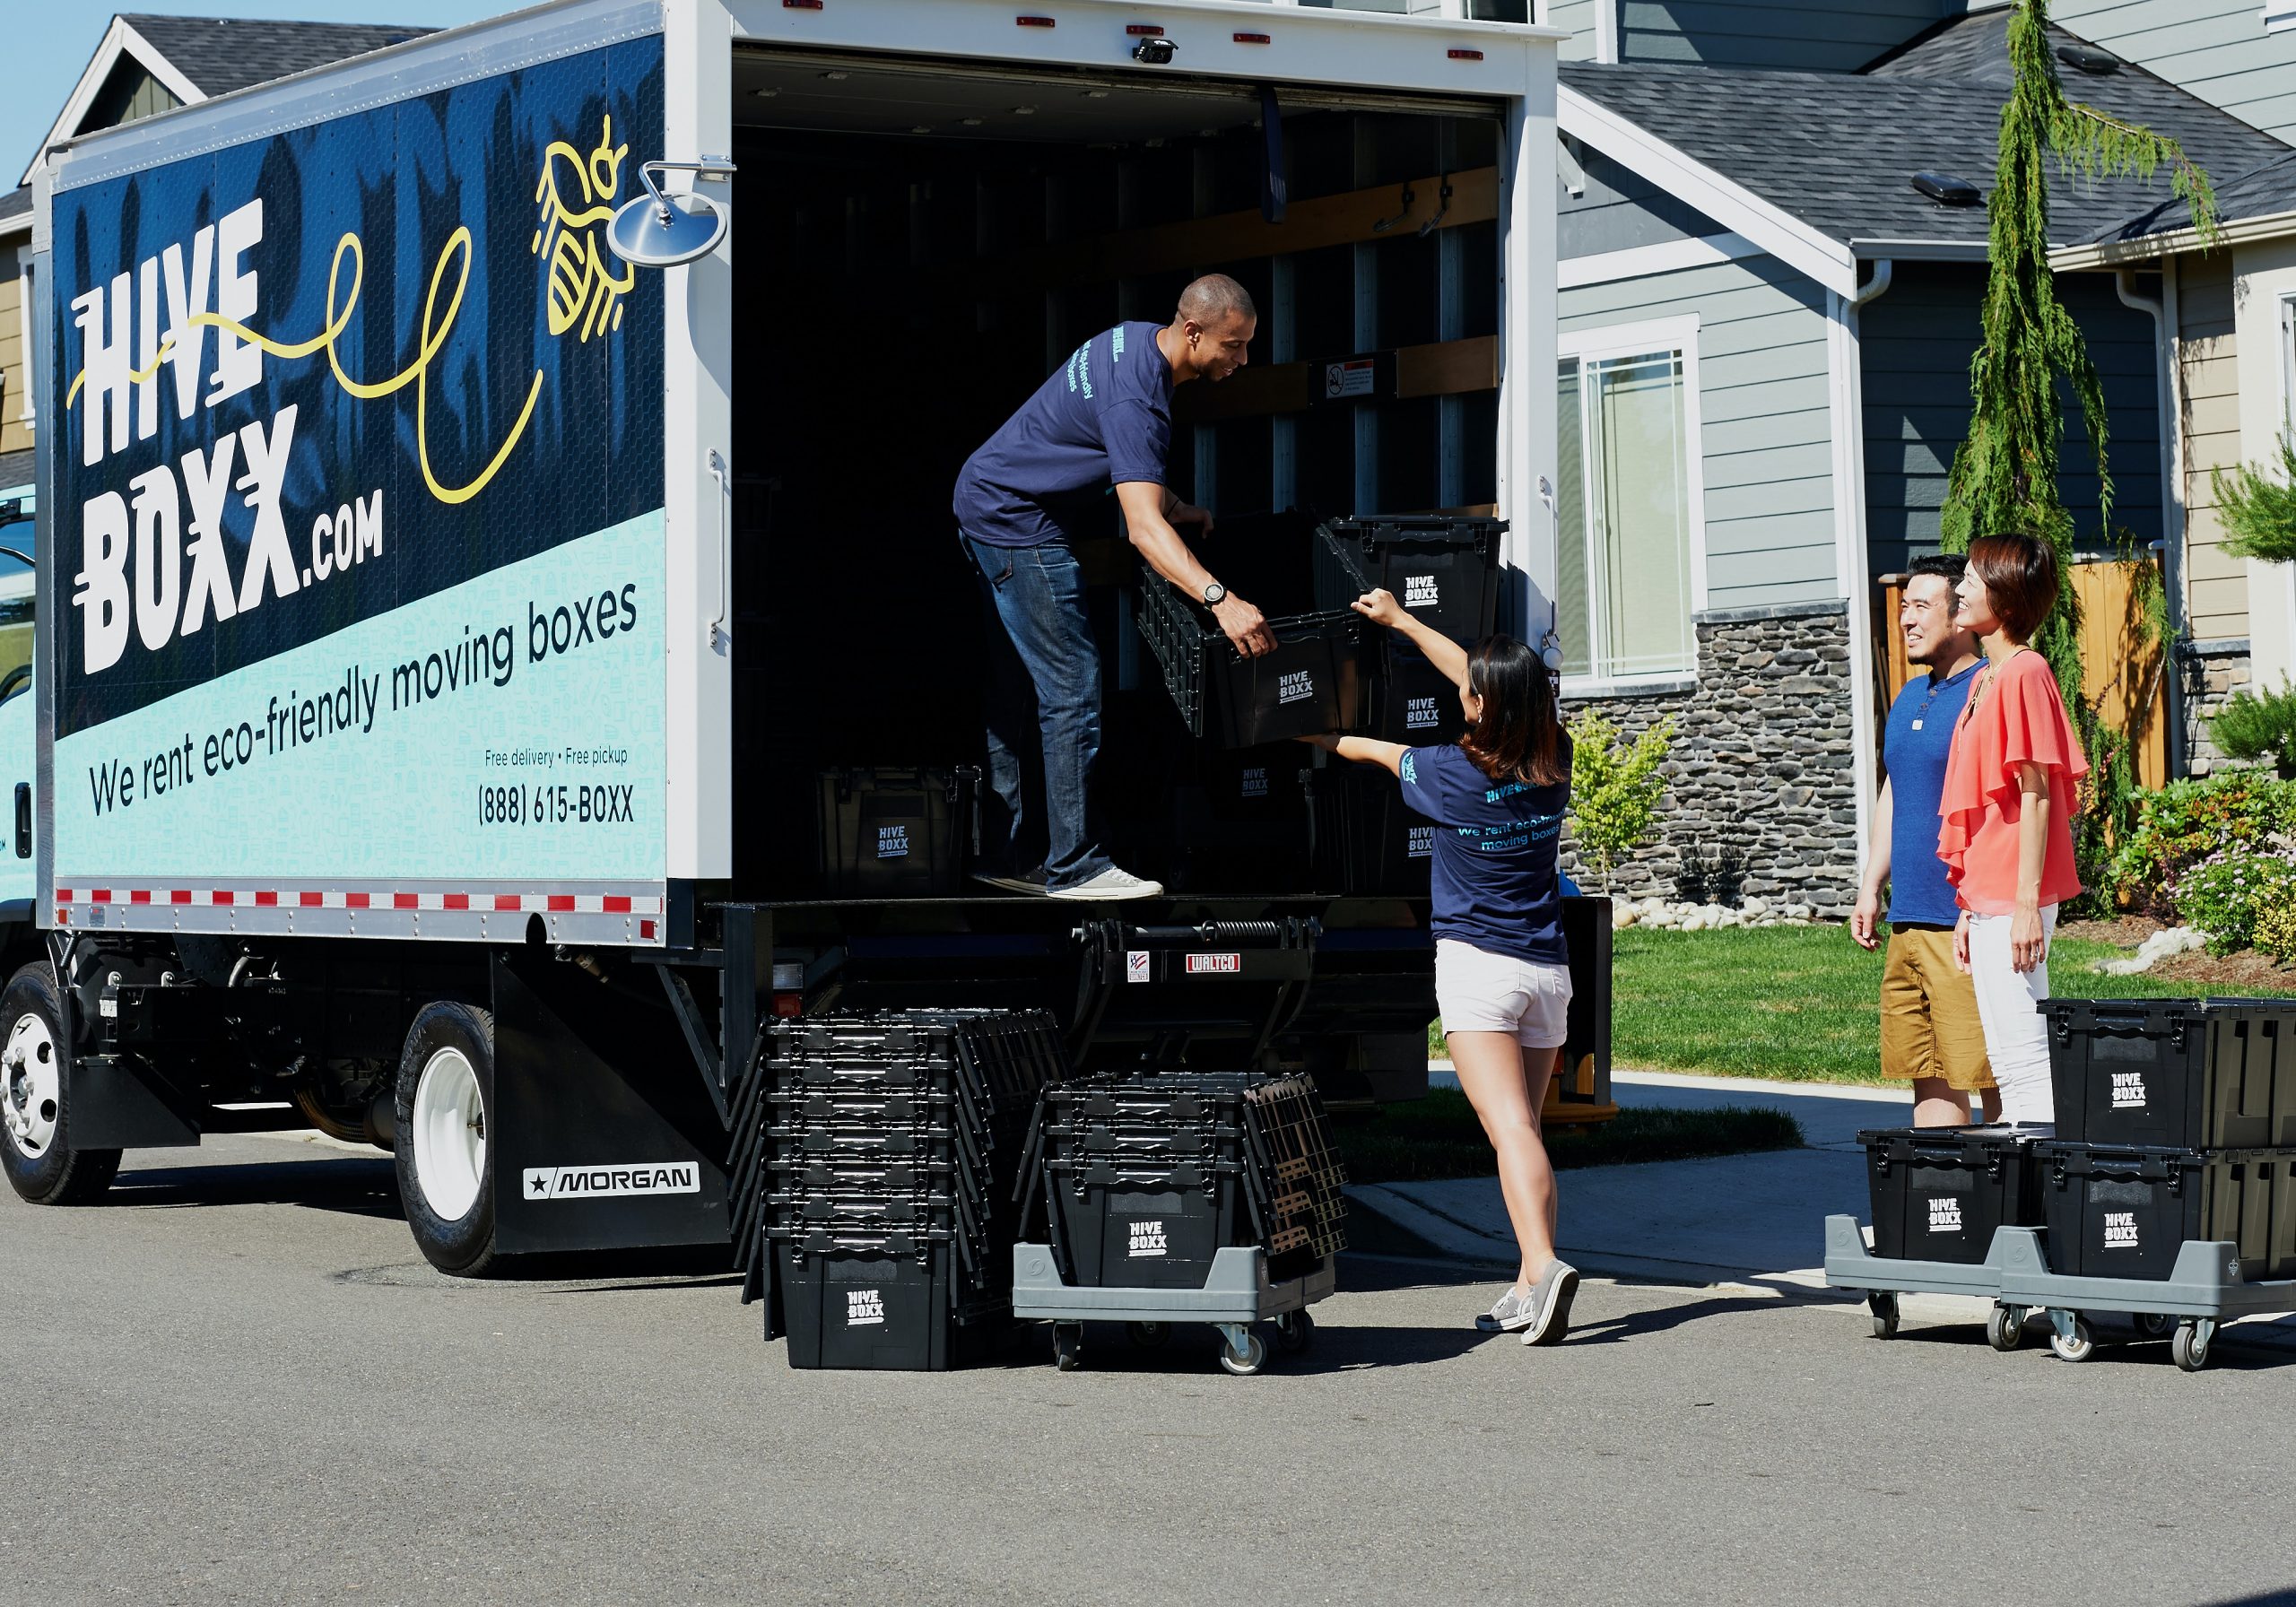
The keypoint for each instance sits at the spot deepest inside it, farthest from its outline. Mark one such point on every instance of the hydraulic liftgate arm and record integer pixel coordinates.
(1118, 957)
(726, 1055)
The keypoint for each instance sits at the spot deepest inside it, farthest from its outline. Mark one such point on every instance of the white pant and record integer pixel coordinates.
(2016, 1034)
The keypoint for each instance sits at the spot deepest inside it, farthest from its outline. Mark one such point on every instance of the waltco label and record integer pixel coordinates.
(1214, 965)
(1147, 1239)
(864, 1307)
(2120, 1231)
(1945, 1214)
(607, 1182)
(2128, 1090)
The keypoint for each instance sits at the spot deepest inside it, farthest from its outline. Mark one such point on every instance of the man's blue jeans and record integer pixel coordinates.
(1044, 713)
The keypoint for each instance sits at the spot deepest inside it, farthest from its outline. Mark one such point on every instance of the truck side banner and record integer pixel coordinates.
(359, 571)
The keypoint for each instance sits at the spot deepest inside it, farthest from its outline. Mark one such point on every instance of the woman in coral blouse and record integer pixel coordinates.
(2005, 826)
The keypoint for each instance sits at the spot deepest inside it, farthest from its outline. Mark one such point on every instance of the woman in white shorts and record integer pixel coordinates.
(1503, 973)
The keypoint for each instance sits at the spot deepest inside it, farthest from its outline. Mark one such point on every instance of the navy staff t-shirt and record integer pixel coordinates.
(1104, 419)
(1495, 875)
(1916, 741)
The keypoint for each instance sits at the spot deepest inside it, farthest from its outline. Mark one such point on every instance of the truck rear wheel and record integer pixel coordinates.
(35, 1123)
(446, 1165)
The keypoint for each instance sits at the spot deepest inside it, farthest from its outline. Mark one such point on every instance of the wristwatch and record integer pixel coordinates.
(1214, 594)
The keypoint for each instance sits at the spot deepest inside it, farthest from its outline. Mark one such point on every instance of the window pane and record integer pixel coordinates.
(1642, 493)
(1571, 531)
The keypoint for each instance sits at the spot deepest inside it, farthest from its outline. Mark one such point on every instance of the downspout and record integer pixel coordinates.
(1853, 557)
(2167, 400)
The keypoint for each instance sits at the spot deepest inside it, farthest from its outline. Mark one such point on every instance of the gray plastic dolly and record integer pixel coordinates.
(2202, 1291)
(1849, 1264)
(1236, 1295)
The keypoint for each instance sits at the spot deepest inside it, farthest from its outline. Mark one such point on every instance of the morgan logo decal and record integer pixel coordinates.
(608, 1182)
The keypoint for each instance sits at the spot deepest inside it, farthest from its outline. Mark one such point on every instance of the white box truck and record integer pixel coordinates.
(450, 633)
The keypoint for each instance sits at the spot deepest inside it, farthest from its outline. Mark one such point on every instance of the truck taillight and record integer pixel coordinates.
(1253, 38)
(1032, 22)
(1466, 56)
(788, 1007)
(1143, 30)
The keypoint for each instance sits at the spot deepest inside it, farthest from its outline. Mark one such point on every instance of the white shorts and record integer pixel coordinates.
(1478, 991)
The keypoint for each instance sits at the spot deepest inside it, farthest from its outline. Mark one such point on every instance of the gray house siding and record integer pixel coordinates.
(1815, 36)
(2217, 50)
(1764, 399)
(1916, 344)
(1621, 209)
(1578, 17)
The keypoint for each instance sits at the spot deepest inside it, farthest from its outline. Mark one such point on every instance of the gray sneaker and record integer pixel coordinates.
(1550, 1304)
(1513, 1311)
(1111, 883)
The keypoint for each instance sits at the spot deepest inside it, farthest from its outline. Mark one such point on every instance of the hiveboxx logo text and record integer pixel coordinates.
(1297, 684)
(1148, 1238)
(1419, 591)
(1945, 1214)
(864, 1307)
(1420, 713)
(2120, 1231)
(2128, 1090)
(892, 842)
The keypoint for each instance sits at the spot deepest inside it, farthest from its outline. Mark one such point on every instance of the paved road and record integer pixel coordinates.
(235, 1383)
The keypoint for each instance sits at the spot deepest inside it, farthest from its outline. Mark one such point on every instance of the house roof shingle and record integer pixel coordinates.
(1839, 151)
(2263, 192)
(223, 54)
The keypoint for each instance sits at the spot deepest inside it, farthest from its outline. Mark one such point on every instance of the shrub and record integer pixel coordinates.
(2260, 726)
(2225, 894)
(1614, 789)
(2186, 822)
(2276, 932)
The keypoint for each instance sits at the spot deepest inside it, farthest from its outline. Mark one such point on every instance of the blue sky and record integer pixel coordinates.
(49, 42)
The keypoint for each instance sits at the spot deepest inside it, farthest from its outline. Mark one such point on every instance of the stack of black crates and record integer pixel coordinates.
(2176, 1121)
(1444, 571)
(893, 1147)
(1146, 1176)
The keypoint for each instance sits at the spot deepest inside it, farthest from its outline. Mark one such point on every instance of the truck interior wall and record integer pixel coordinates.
(892, 309)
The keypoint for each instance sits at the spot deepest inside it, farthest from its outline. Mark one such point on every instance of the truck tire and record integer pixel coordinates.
(446, 1160)
(35, 1122)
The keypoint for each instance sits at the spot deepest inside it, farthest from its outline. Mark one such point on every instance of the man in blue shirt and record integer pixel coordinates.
(1931, 1034)
(1103, 421)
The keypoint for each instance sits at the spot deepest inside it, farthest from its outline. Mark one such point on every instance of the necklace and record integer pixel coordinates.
(1985, 684)
(1937, 684)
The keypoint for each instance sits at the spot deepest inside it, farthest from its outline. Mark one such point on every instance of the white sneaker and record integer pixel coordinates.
(1112, 885)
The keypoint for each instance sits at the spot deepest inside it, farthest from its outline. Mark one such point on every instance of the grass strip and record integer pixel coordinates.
(1419, 1140)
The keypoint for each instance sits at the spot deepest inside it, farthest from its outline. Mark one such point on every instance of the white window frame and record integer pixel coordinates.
(1679, 334)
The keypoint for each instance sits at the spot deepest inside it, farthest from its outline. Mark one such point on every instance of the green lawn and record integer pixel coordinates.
(1788, 1002)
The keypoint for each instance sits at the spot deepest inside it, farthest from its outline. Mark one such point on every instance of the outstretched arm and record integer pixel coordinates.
(1361, 750)
(1450, 658)
(1144, 503)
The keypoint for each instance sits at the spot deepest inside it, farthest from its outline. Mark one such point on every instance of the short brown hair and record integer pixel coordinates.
(2019, 575)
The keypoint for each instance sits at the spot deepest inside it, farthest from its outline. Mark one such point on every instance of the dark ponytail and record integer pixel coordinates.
(1519, 736)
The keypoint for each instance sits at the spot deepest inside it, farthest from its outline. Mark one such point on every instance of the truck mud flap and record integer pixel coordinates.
(604, 1139)
(116, 1104)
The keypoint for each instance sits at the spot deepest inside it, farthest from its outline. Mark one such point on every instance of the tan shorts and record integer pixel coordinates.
(1930, 1026)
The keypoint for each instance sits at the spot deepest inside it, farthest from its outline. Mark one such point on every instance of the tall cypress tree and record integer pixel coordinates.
(2004, 476)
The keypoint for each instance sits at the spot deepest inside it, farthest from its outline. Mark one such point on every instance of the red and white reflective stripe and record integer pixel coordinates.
(322, 899)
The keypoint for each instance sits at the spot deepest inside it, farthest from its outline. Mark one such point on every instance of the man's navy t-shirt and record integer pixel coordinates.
(1495, 874)
(1104, 419)
(1919, 893)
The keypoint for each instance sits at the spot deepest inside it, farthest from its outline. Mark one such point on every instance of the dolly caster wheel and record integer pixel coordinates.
(1247, 1359)
(2078, 1344)
(1149, 1337)
(2190, 1345)
(2005, 1327)
(1295, 1331)
(2152, 1325)
(1883, 1304)
(1068, 1346)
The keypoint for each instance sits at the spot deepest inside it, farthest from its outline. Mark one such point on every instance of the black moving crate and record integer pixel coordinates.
(2174, 1073)
(1316, 680)
(2124, 1212)
(1412, 702)
(1443, 568)
(897, 833)
(893, 1144)
(1366, 841)
(1938, 1193)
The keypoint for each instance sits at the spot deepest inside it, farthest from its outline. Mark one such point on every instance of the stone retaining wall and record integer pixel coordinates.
(1761, 759)
(2211, 672)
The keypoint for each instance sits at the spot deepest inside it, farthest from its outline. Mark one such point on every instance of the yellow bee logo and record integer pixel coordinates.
(583, 290)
